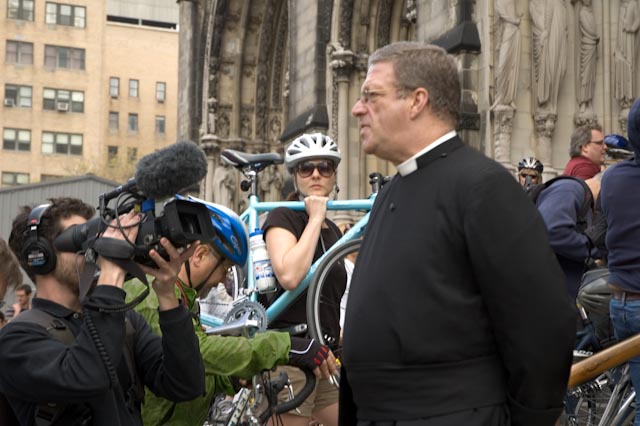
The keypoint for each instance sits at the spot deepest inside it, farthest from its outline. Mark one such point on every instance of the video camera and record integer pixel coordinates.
(158, 175)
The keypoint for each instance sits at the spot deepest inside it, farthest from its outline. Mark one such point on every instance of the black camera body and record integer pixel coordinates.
(181, 222)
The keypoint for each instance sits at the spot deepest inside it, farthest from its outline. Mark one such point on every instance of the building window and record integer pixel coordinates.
(132, 155)
(112, 153)
(20, 9)
(133, 88)
(61, 143)
(161, 91)
(19, 52)
(47, 178)
(160, 128)
(16, 140)
(63, 57)
(65, 14)
(17, 96)
(114, 119)
(114, 87)
(63, 100)
(133, 123)
(12, 179)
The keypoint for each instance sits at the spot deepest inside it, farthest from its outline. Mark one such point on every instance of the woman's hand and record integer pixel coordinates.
(316, 207)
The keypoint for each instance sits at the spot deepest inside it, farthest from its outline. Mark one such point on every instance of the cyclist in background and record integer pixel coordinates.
(295, 239)
(223, 356)
(530, 172)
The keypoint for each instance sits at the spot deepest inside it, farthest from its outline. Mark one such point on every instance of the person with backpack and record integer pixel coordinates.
(223, 356)
(566, 206)
(70, 363)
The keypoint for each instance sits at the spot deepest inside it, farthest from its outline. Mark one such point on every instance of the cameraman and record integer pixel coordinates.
(89, 380)
(223, 356)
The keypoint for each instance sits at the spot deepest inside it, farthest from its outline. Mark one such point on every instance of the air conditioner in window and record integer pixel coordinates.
(9, 102)
(62, 106)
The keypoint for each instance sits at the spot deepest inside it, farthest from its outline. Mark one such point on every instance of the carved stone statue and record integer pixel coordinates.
(545, 124)
(212, 106)
(245, 127)
(625, 52)
(506, 75)
(589, 39)
(503, 126)
(549, 19)
(271, 181)
(223, 125)
(224, 184)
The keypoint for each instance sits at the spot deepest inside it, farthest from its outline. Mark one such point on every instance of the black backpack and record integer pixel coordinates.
(533, 191)
(77, 414)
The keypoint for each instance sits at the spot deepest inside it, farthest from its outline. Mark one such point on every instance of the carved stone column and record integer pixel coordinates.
(341, 63)
(209, 144)
(545, 124)
(503, 126)
(625, 105)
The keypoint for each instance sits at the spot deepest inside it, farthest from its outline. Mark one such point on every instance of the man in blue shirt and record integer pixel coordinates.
(620, 203)
(560, 206)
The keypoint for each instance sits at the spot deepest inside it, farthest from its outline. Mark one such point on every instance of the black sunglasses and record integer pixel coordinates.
(325, 168)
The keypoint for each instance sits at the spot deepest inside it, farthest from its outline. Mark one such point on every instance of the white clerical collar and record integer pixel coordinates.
(411, 165)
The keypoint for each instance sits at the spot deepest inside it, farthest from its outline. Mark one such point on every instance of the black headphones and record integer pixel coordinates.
(36, 250)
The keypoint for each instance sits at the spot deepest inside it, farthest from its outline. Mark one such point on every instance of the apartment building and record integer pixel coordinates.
(88, 86)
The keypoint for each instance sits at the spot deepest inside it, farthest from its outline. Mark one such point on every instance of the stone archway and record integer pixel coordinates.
(238, 86)
(363, 26)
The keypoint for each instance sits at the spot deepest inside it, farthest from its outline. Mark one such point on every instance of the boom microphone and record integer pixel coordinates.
(167, 171)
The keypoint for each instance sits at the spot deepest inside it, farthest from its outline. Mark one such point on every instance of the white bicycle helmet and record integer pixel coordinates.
(531, 163)
(311, 147)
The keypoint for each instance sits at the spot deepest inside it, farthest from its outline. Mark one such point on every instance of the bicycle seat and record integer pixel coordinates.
(257, 162)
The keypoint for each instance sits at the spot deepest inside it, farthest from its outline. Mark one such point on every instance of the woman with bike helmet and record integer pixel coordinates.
(296, 239)
(530, 172)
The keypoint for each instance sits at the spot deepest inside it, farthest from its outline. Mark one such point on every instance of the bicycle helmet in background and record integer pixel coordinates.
(231, 239)
(594, 293)
(530, 163)
(311, 146)
(616, 141)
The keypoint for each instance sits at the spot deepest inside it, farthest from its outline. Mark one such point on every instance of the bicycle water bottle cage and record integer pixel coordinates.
(243, 160)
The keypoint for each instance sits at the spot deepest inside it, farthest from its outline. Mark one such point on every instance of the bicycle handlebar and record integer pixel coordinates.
(309, 385)
(602, 361)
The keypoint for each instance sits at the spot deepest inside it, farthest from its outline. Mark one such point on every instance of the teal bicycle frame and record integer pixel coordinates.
(250, 216)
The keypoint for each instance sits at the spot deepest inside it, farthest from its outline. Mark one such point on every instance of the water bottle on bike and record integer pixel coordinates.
(264, 275)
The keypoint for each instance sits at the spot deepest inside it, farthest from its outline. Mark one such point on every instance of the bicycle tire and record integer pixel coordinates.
(314, 293)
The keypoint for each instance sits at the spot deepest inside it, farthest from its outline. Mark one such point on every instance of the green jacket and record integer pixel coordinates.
(222, 356)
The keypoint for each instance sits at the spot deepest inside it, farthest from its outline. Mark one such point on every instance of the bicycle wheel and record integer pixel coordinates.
(315, 299)
(596, 402)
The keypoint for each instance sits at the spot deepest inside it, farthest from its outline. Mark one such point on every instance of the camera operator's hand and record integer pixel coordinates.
(110, 273)
(167, 272)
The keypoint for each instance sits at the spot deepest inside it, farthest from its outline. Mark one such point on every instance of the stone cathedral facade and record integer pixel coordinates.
(254, 74)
